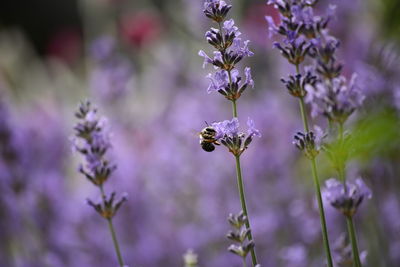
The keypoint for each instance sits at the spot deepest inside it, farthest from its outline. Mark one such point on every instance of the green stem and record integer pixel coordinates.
(304, 115)
(244, 262)
(234, 109)
(353, 238)
(350, 225)
(341, 161)
(317, 188)
(239, 172)
(244, 206)
(112, 231)
(321, 213)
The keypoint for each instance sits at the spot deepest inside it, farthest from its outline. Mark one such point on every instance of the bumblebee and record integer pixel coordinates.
(207, 139)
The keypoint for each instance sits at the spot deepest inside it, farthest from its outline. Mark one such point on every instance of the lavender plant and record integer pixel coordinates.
(230, 50)
(329, 94)
(299, 26)
(93, 144)
(335, 98)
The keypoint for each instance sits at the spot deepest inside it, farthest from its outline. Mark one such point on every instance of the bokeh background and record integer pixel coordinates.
(137, 61)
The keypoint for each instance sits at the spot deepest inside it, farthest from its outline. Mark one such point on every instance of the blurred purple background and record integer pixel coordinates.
(137, 61)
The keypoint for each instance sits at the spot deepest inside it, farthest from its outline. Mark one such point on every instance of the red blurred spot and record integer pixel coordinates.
(140, 29)
(65, 45)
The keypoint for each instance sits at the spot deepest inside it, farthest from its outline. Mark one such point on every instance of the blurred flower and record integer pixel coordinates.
(348, 197)
(108, 207)
(296, 85)
(343, 253)
(65, 45)
(92, 143)
(112, 74)
(336, 100)
(294, 255)
(141, 29)
(190, 258)
(239, 235)
(310, 143)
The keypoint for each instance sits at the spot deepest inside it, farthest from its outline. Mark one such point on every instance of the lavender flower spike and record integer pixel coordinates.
(348, 197)
(91, 141)
(300, 30)
(230, 50)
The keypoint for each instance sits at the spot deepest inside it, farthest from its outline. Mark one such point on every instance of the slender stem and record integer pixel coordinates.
(341, 161)
(304, 115)
(244, 262)
(353, 238)
(112, 231)
(239, 171)
(234, 109)
(341, 132)
(244, 206)
(325, 237)
(321, 213)
(115, 241)
(350, 225)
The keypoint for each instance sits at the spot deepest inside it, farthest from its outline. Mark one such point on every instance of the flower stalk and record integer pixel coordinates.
(324, 228)
(230, 50)
(242, 194)
(297, 26)
(91, 141)
(112, 231)
(349, 217)
(244, 208)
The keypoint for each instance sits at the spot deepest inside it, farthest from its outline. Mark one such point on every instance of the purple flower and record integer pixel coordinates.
(252, 131)
(92, 143)
(207, 59)
(272, 28)
(216, 9)
(218, 81)
(231, 128)
(108, 207)
(249, 80)
(396, 95)
(112, 73)
(102, 48)
(336, 101)
(230, 50)
(228, 133)
(276, 2)
(230, 28)
(348, 197)
(310, 142)
(241, 48)
(226, 128)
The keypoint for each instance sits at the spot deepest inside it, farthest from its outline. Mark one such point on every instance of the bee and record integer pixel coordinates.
(207, 139)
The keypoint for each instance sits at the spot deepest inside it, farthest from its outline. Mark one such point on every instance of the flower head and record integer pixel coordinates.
(310, 143)
(91, 141)
(216, 9)
(108, 207)
(230, 50)
(336, 101)
(228, 134)
(346, 197)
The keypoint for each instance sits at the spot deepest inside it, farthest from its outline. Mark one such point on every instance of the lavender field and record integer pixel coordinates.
(200, 133)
